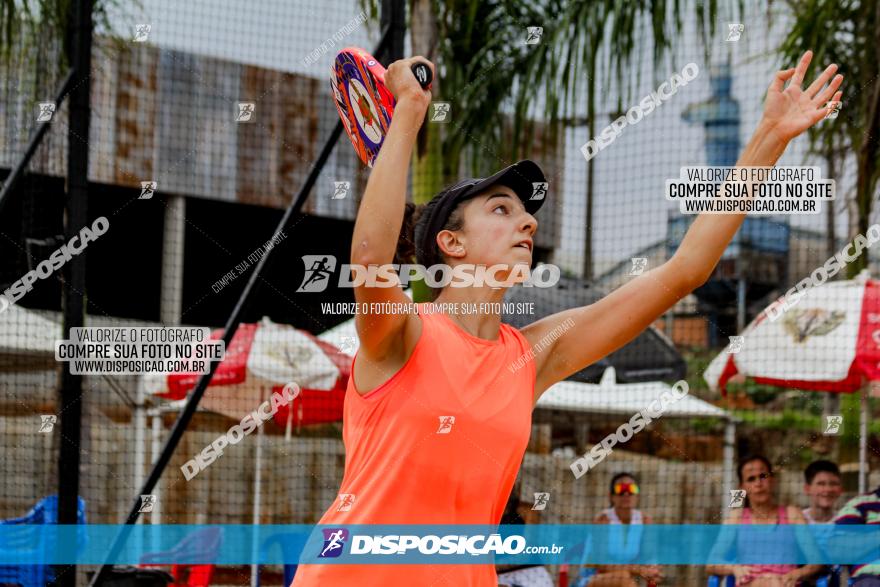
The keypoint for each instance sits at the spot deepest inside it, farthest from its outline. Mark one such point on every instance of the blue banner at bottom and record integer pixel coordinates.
(432, 544)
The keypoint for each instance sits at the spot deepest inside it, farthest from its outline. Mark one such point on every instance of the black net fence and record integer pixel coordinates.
(206, 121)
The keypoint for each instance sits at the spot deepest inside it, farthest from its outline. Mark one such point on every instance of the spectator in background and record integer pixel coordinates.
(863, 509)
(756, 478)
(624, 492)
(823, 488)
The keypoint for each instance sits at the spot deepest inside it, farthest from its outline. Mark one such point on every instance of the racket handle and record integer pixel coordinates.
(423, 74)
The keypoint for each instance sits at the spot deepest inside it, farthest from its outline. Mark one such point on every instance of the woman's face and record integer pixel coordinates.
(758, 483)
(497, 231)
(627, 499)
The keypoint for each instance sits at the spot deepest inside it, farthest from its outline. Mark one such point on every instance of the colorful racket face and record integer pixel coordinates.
(364, 103)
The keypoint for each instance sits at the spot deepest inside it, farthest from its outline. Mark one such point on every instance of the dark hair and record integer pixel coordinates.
(750, 459)
(742, 465)
(619, 476)
(407, 251)
(817, 467)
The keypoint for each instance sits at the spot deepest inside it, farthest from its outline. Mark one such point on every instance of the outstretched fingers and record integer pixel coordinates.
(820, 81)
(801, 70)
(779, 79)
(823, 96)
(822, 111)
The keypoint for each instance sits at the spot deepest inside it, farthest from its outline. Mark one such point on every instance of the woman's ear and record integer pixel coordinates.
(450, 245)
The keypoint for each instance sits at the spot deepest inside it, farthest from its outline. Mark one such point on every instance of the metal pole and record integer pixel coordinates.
(740, 305)
(258, 488)
(393, 19)
(139, 419)
(155, 448)
(729, 446)
(229, 331)
(172, 267)
(863, 442)
(73, 293)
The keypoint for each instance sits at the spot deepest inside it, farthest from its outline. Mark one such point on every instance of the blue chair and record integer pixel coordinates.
(202, 547)
(290, 544)
(44, 512)
(830, 580)
(583, 579)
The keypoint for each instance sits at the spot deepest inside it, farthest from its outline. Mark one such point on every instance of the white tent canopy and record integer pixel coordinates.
(610, 397)
(625, 399)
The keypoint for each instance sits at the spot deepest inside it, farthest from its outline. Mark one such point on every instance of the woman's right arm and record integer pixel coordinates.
(723, 545)
(380, 216)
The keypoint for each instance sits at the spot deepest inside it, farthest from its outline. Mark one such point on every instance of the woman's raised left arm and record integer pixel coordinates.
(599, 329)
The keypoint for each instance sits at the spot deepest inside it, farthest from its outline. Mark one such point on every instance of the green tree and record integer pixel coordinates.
(500, 87)
(846, 33)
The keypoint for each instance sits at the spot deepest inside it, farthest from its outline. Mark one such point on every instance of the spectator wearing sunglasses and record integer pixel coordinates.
(756, 478)
(624, 493)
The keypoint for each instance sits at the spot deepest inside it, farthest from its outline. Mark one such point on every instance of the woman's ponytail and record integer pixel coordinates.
(406, 249)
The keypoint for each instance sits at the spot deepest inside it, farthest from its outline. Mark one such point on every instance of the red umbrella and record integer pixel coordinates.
(262, 358)
(314, 406)
(827, 340)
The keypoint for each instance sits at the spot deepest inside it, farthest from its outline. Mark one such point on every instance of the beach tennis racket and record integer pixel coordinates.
(363, 101)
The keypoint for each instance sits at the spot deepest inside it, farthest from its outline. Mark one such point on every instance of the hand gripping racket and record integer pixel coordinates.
(364, 103)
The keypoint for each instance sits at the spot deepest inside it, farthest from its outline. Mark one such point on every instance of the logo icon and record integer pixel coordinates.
(734, 31)
(141, 32)
(541, 499)
(334, 541)
(319, 268)
(446, 423)
(440, 111)
(833, 110)
(346, 500)
(533, 36)
(421, 74)
(639, 264)
(539, 190)
(246, 112)
(47, 423)
(347, 345)
(340, 189)
(148, 188)
(147, 503)
(833, 425)
(802, 323)
(737, 498)
(736, 344)
(47, 109)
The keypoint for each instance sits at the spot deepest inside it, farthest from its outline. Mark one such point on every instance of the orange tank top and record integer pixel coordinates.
(440, 442)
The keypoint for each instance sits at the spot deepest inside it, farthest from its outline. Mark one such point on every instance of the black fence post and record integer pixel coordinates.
(393, 19)
(73, 294)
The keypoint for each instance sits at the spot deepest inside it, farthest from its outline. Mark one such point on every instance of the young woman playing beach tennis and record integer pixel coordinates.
(435, 422)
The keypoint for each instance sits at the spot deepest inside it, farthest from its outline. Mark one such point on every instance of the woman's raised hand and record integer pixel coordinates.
(403, 85)
(791, 110)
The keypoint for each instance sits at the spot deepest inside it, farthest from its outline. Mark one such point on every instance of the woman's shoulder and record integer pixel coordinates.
(795, 515)
(734, 517)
